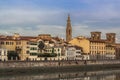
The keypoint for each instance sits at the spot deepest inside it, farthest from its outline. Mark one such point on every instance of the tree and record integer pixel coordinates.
(47, 55)
(41, 45)
(12, 54)
(52, 50)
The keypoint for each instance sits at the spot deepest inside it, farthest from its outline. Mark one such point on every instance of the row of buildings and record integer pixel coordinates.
(46, 47)
(95, 47)
(42, 47)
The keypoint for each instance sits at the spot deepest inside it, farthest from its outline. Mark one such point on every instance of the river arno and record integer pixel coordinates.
(93, 75)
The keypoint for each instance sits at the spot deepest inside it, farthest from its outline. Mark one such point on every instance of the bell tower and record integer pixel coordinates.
(111, 37)
(96, 35)
(68, 29)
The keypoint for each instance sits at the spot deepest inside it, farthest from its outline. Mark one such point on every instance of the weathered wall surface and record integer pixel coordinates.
(30, 64)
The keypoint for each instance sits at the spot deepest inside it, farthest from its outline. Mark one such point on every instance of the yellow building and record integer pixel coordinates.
(82, 42)
(110, 51)
(96, 47)
(16, 43)
(21, 44)
(117, 49)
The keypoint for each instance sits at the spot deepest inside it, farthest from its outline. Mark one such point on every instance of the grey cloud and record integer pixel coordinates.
(103, 16)
(21, 16)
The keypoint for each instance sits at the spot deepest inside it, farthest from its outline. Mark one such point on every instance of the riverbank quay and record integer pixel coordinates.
(29, 67)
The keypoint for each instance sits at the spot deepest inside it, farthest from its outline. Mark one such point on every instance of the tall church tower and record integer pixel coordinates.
(68, 29)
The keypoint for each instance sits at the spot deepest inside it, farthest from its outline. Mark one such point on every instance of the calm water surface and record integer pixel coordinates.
(94, 75)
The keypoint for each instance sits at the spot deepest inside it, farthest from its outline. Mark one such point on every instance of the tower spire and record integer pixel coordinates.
(68, 29)
(68, 17)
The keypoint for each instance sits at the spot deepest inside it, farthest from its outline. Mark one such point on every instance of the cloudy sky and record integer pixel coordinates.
(33, 17)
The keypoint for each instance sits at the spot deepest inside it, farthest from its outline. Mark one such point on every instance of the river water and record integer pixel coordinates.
(93, 75)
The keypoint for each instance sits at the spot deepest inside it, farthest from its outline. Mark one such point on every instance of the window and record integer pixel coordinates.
(33, 48)
(2, 43)
(4, 52)
(27, 42)
(7, 43)
(58, 49)
(34, 54)
(12, 43)
(27, 52)
(58, 54)
(18, 43)
(27, 46)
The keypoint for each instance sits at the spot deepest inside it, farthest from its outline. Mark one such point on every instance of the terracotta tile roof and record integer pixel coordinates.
(28, 38)
(4, 39)
(100, 41)
(57, 38)
(19, 38)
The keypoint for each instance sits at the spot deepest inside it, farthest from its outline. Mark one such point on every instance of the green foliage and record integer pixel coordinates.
(12, 54)
(58, 54)
(34, 54)
(52, 50)
(47, 55)
(41, 45)
(53, 55)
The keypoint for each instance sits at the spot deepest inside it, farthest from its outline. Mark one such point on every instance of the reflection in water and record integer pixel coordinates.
(95, 75)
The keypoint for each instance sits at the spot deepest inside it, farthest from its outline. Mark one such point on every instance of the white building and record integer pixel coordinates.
(70, 53)
(75, 53)
(40, 48)
(3, 55)
(55, 50)
(33, 51)
(60, 53)
(79, 55)
(86, 57)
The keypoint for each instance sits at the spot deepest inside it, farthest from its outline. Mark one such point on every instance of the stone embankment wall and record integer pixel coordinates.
(30, 64)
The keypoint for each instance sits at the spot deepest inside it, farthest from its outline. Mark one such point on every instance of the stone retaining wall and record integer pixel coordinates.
(30, 64)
